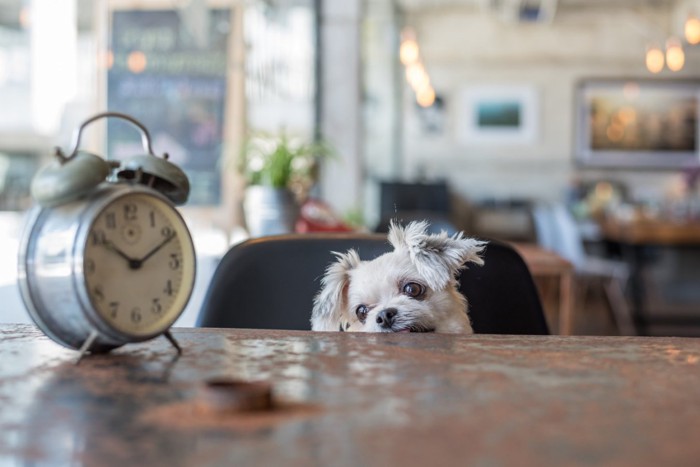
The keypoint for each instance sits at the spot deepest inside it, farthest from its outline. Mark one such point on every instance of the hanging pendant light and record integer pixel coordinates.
(654, 59)
(675, 56)
(425, 97)
(408, 53)
(692, 30)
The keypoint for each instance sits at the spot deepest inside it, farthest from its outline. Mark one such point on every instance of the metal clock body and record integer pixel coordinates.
(118, 266)
(106, 259)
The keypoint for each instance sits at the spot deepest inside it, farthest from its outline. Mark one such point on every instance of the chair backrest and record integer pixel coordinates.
(270, 282)
(545, 228)
(556, 230)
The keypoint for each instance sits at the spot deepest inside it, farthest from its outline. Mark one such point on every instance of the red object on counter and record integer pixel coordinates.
(317, 216)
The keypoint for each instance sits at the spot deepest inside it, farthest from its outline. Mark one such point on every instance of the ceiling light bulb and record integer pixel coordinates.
(692, 30)
(408, 53)
(426, 97)
(416, 76)
(675, 57)
(654, 59)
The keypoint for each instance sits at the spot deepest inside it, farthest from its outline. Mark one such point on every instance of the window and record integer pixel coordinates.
(197, 74)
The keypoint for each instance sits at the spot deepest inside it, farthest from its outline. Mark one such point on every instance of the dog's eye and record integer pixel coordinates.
(361, 312)
(413, 289)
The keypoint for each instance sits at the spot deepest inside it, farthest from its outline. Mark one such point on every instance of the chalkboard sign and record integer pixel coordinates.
(173, 79)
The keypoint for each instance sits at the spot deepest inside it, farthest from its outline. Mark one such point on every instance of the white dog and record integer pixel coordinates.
(411, 289)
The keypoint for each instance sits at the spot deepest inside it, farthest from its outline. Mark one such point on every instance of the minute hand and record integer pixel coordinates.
(158, 247)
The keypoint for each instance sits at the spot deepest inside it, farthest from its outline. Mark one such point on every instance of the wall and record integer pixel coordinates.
(465, 46)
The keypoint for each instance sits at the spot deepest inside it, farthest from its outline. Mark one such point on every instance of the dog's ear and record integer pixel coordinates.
(437, 257)
(328, 303)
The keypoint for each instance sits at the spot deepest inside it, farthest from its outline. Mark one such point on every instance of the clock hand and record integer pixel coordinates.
(158, 247)
(133, 263)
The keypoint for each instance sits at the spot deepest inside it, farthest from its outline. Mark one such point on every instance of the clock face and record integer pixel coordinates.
(139, 265)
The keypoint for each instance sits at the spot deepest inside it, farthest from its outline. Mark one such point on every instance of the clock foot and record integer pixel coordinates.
(85, 348)
(172, 340)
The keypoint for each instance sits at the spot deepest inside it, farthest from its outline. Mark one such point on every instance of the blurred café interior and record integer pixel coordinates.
(565, 126)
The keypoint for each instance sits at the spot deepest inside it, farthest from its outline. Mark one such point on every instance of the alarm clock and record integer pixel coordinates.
(105, 258)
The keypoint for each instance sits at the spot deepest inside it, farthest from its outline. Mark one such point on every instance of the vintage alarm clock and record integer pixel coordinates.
(106, 259)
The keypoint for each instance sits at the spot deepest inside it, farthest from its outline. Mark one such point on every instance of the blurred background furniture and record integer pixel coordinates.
(556, 230)
(406, 201)
(505, 219)
(663, 260)
(270, 282)
(545, 265)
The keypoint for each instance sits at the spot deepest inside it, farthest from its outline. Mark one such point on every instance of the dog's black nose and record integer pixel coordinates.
(385, 318)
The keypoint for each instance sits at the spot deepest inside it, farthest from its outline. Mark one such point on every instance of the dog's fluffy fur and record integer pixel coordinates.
(411, 289)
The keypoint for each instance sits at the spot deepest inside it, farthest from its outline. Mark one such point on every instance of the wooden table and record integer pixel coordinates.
(547, 264)
(651, 231)
(636, 236)
(347, 399)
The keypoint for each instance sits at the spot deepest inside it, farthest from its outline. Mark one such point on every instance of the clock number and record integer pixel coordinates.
(98, 237)
(113, 309)
(111, 220)
(156, 307)
(152, 218)
(168, 288)
(166, 231)
(136, 315)
(98, 293)
(130, 211)
(89, 266)
(174, 261)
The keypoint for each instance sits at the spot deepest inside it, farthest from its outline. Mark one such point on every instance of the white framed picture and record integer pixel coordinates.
(652, 123)
(497, 114)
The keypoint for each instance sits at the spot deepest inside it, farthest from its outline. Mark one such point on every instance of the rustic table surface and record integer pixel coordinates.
(353, 399)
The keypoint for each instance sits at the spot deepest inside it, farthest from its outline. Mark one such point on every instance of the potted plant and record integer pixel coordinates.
(279, 171)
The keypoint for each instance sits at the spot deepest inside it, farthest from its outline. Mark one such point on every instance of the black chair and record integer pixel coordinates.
(270, 282)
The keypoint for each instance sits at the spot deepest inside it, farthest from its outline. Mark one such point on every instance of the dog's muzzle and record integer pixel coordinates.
(385, 318)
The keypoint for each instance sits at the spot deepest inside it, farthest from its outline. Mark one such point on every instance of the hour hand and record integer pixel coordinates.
(133, 263)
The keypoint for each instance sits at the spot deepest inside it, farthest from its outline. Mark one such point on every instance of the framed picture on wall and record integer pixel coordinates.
(637, 123)
(497, 114)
